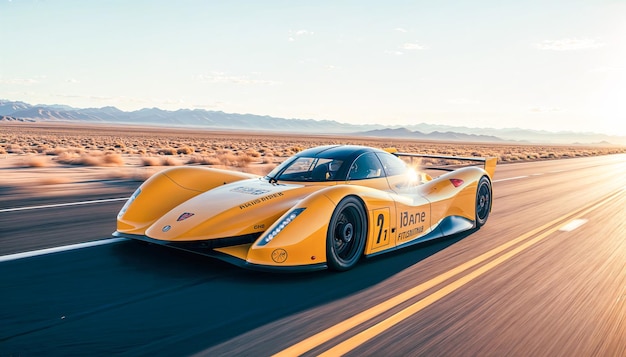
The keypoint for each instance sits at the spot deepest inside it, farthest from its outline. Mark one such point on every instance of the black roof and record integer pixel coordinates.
(340, 152)
(345, 153)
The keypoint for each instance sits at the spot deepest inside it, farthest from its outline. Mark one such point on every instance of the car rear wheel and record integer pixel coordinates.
(346, 235)
(483, 201)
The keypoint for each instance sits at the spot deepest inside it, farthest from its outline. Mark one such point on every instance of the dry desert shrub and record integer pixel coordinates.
(36, 161)
(239, 159)
(243, 160)
(167, 151)
(91, 158)
(41, 149)
(252, 152)
(76, 149)
(227, 158)
(170, 161)
(268, 159)
(203, 160)
(185, 150)
(119, 144)
(14, 149)
(88, 159)
(113, 159)
(507, 158)
(160, 161)
(66, 158)
(151, 161)
(131, 175)
(58, 151)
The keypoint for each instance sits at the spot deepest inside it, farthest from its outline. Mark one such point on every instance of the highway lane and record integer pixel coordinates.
(565, 295)
(544, 300)
(562, 296)
(134, 299)
(25, 224)
(22, 231)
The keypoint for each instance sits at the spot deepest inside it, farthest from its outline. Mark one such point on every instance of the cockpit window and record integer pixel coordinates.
(366, 166)
(392, 164)
(309, 169)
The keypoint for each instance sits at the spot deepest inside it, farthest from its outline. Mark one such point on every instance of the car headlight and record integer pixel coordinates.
(127, 204)
(280, 226)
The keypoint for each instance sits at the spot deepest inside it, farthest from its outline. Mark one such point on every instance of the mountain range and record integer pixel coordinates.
(20, 111)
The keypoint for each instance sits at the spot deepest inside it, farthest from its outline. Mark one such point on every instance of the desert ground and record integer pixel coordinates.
(62, 158)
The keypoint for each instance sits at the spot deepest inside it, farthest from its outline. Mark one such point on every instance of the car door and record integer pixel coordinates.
(413, 219)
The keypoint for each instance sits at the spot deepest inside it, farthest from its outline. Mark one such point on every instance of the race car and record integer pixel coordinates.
(324, 208)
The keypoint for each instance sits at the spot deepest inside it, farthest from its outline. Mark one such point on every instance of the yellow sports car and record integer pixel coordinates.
(325, 207)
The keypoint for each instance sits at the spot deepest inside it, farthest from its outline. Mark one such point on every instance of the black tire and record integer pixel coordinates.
(347, 232)
(483, 201)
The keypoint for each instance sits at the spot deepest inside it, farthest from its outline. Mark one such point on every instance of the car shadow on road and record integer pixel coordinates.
(245, 300)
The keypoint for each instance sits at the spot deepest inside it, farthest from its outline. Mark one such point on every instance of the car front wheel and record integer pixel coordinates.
(346, 235)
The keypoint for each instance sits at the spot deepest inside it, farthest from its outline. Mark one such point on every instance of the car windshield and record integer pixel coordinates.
(310, 169)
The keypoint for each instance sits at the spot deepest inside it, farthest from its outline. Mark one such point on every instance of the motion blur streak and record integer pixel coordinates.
(6, 258)
(351, 343)
(62, 205)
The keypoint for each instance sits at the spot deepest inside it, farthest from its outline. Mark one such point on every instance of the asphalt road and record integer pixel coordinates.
(545, 277)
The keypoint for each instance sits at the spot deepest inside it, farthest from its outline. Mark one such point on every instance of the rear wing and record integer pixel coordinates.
(489, 163)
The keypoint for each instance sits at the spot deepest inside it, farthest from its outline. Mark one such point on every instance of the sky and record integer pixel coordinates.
(547, 65)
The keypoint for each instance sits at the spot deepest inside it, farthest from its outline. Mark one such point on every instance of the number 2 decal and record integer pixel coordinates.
(380, 221)
(381, 232)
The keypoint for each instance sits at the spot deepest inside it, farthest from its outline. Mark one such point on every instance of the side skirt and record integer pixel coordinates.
(446, 227)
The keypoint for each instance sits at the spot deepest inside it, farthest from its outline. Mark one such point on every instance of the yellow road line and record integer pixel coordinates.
(336, 330)
(380, 327)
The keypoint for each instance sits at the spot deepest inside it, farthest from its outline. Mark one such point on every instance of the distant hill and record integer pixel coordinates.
(405, 133)
(7, 107)
(182, 117)
(20, 111)
(527, 135)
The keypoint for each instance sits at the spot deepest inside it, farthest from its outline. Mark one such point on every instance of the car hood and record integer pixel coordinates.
(241, 208)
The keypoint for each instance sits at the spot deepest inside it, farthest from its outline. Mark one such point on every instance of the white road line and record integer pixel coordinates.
(34, 253)
(62, 204)
(573, 225)
(511, 178)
